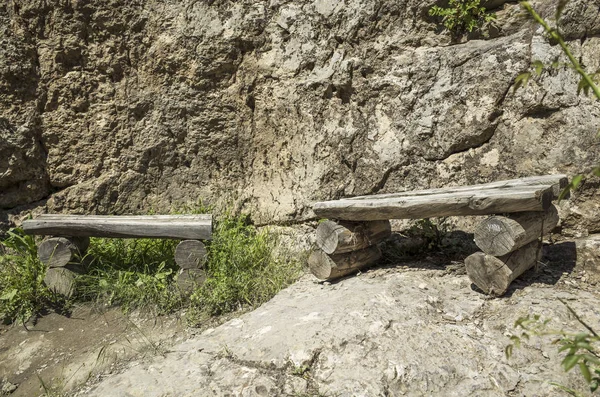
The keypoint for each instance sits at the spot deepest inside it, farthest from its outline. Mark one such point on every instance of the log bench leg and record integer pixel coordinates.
(346, 247)
(493, 275)
(511, 245)
(499, 235)
(62, 255)
(190, 256)
(330, 267)
(346, 236)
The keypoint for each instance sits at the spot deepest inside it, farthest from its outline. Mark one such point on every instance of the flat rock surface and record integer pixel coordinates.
(403, 331)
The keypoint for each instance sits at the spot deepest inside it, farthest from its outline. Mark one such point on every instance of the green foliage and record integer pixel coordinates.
(588, 82)
(22, 290)
(433, 232)
(244, 267)
(463, 16)
(133, 273)
(581, 349)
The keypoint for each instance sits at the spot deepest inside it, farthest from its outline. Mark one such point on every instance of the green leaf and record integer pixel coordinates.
(9, 294)
(539, 67)
(521, 80)
(570, 361)
(576, 181)
(583, 86)
(585, 371)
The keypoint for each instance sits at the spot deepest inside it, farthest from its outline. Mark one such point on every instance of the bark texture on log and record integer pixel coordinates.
(493, 275)
(478, 202)
(193, 227)
(60, 251)
(557, 182)
(190, 254)
(499, 235)
(331, 267)
(345, 236)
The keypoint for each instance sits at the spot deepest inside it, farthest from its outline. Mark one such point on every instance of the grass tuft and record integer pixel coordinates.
(245, 267)
(132, 273)
(22, 289)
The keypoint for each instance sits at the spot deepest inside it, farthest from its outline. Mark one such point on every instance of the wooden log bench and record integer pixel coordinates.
(62, 252)
(510, 242)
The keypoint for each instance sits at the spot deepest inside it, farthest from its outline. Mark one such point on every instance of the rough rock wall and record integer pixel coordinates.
(114, 106)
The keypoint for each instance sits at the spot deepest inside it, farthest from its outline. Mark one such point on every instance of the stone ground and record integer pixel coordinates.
(419, 329)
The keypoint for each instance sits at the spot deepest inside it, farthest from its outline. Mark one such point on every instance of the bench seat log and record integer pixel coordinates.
(472, 202)
(557, 182)
(499, 235)
(185, 227)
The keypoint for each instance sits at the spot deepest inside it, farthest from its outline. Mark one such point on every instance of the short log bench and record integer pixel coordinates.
(63, 252)
(510, 244)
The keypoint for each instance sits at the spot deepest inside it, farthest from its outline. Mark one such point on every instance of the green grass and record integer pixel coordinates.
(22, 289)
(245, 268)
(132, 273)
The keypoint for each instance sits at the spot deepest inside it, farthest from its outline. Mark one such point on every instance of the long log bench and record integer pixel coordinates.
(63, 251)
(510, 242)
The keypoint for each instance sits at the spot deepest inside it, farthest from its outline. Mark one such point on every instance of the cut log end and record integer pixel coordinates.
(330, 267)
(320, 264)
(190, 254)
(189, 279)
(61, 280)
(493, 275)
(60, 251)
(499, 235)
(346, 236)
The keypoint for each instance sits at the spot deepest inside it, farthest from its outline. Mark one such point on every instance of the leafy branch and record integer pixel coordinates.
(463, 16)
(581, 348)
(587, 82)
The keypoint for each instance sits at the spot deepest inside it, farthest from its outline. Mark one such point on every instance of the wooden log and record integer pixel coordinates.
(493, 275)
(499, 235)
(557, 182)
(192, 227)
(337, 238)
(330, 267)
(190, 254)
(480, 202)
(61, 280)
(60, 251)
(190, 279)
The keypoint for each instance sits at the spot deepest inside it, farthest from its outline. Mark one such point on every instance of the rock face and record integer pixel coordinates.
(385, 333)
(119, 106)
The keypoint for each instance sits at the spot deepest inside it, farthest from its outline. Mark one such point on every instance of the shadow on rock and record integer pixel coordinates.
(557, 259)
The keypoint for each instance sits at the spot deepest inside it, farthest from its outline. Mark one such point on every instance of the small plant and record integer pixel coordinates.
(432, 232)
(22, 289)
(582, 349)
(463, 16)
(244, 268)
(300, 371)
